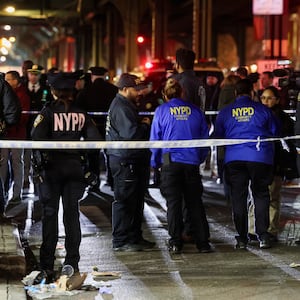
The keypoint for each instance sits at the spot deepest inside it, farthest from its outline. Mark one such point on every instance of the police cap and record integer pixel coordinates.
(79, 74)
(62, 80)
(98, 71)
(37, 69)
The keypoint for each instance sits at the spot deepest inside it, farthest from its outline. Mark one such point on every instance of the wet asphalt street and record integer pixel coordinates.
(224, 274)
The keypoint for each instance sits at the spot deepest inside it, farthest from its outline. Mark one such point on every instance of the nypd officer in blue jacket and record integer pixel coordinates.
(62, 173)
(248, 162)
(180, 175)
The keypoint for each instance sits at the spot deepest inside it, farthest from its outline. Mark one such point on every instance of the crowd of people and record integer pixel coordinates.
(65, 106)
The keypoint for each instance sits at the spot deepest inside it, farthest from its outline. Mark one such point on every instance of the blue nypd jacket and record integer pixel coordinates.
(247, 119)
(178, 120)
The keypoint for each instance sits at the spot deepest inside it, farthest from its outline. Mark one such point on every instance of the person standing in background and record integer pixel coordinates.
(266, 80)
(27, 64)
(14, 156)
(10, 115)
(97, 97)
(186, 76)
(39, 94)
(242, 72)
(283, 160)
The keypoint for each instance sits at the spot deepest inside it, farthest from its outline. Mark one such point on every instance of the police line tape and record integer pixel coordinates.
(146, 113)
(197, 143)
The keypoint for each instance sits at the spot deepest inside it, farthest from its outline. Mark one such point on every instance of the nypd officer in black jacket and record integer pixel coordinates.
(63, 171)
(129, 167)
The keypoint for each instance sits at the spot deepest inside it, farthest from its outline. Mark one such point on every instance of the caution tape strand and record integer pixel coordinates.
(21, 144)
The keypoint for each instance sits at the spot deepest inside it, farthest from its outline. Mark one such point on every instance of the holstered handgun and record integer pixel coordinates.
(39, 161)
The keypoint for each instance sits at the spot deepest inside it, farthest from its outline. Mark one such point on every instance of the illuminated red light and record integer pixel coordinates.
(148, 65)
(140, 39)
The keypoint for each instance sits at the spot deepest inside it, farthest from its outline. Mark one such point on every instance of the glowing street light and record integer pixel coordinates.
(7, 27)
(6, 43)
(3, 50)
(10, 9)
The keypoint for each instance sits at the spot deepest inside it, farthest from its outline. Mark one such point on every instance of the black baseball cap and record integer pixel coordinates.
(130, 80)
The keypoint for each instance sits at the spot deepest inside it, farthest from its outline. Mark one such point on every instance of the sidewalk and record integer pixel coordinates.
(12, 263)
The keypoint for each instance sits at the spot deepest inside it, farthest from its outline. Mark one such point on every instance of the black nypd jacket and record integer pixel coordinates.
(57, 123)
(123, 124)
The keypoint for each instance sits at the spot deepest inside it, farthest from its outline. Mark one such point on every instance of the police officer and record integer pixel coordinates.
(63, 173)
(39, 93)
(193, 92)
(248, 163)
(97, 97)
(129, 167)
(180, 178)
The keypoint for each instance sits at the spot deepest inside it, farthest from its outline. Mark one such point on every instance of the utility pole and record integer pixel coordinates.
(202, 22)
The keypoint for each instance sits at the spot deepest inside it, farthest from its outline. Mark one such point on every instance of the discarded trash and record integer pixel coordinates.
(105, 290)
(105, 275)
(294, 265)
(49, 291)
(29, 279)
(73, 283)
(69, 283)
(67, 270)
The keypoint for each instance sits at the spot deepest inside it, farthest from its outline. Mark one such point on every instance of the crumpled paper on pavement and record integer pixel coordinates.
(46, 291)
(105, 275)
(29, 279)
(74, 282)
(294, 265)
(63, 287)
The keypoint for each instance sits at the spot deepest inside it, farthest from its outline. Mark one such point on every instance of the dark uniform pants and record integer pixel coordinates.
(130, 184)
(182, 182)
(64, 179)
(238, 175)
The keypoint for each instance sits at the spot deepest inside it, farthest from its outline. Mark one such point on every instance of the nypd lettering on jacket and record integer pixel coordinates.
(68, 121)
(242, 114)
(180, 112)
